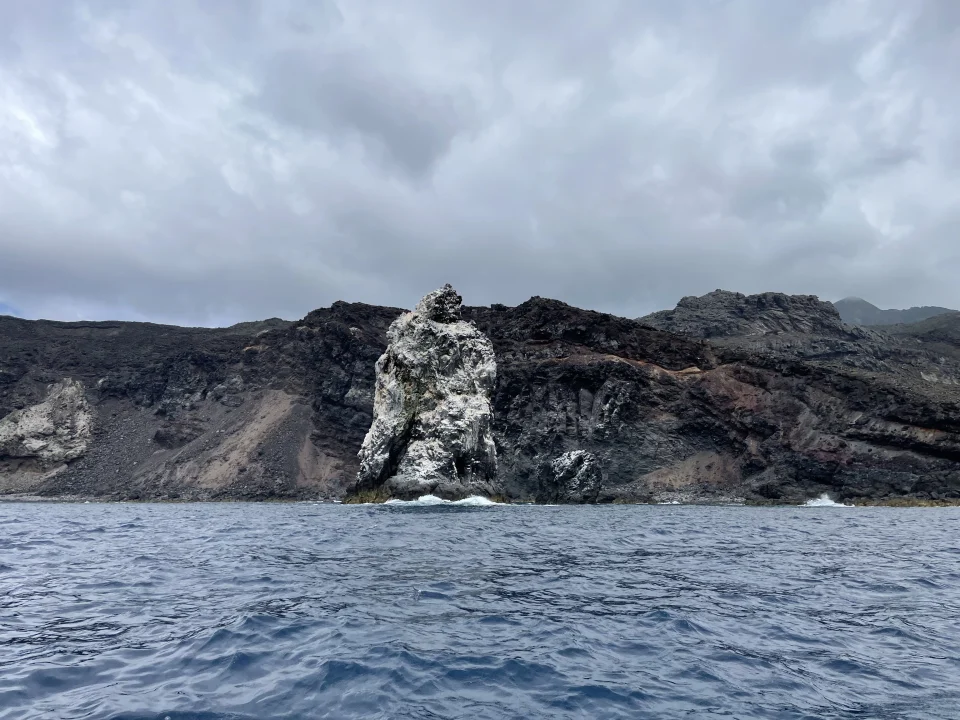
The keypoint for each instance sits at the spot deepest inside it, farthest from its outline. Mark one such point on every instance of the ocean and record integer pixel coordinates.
(241, 611)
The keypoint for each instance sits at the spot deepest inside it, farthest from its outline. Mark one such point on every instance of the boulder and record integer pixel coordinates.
(575, 477)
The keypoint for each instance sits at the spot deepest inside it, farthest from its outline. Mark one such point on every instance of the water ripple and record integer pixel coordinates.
(217, 612)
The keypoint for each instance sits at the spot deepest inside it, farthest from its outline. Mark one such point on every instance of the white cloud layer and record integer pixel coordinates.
(209, 161)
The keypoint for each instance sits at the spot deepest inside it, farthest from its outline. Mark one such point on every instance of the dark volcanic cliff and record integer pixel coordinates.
(724, 314)
(781, 403)
(857, 311)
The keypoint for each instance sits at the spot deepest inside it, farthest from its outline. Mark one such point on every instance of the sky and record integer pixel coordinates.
(209, 161)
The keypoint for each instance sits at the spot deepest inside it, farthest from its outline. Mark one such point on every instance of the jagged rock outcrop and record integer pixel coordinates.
(722, 314)
(40, 438)
(575, 477)
(432, 430)
(800, 327)
(54, 431)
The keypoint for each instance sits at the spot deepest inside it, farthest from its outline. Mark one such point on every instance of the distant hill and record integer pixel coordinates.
(724, 314)
(941, 329)
(857, 311)
(256, 326)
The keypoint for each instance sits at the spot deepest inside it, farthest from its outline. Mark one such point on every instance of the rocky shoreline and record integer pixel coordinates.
(903, 502)
(771, 399)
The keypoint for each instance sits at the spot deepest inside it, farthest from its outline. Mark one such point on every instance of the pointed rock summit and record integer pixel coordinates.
(432, 419)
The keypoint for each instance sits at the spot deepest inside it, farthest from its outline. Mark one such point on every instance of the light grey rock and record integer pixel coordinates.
(575, 477)
(52, 432)
(432, 418)
(228, 392)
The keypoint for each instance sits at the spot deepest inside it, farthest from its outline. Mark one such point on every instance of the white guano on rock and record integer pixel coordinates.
(432, 418)
(52, 432)
(576, 477)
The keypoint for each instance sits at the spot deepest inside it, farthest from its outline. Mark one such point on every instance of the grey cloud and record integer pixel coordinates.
(342, 94)
(777, 195)
(208, 162)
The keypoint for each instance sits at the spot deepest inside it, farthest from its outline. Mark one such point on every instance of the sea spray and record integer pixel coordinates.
(428, 500)
(824, 501)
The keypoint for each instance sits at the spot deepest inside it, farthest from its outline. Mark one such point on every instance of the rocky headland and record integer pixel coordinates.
(765, 398)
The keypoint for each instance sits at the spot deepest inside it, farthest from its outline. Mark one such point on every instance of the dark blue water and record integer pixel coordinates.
(325, 611)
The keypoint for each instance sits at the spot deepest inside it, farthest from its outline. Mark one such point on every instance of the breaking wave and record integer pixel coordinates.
(472, 501)
(824, 501)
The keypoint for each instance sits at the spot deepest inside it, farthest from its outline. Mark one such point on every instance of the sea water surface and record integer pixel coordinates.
(241, 611)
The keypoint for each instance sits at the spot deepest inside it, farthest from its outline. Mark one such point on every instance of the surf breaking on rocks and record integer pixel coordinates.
(431, 500)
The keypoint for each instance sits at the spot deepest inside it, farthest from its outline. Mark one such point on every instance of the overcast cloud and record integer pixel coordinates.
(209, 161)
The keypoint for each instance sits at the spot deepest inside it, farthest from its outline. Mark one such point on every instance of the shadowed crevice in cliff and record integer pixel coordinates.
(396, 451)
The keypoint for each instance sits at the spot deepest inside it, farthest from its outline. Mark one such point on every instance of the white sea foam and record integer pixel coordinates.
(824, 501)
(424, 500)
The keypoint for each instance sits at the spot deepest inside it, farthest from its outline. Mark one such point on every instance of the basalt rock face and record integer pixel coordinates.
(261, 410)
(432, 430)
(575, 380)
(782, 416)
(280, 410)
(863, 414)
